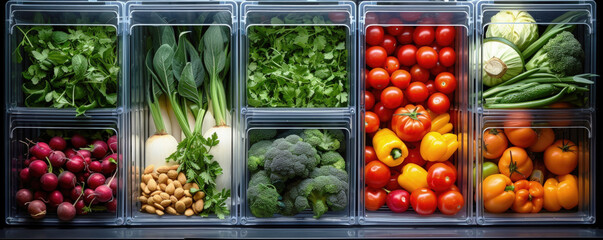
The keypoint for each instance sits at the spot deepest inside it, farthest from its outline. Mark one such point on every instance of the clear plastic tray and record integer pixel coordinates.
(150, 15)
(283, 124)
(261, 13)
(579, 130)
(543, 12)
(22, 128)
(459, 15)
(58, 14)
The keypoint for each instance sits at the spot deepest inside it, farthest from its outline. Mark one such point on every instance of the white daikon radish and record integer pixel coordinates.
(161, 145)
(165, 116)
(174, 122)
(222, 154)
(190, 118)
(208, 121)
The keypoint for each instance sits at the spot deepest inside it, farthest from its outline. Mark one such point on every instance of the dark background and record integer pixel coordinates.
(595, 230)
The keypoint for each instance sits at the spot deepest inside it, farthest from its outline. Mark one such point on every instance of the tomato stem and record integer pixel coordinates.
(513, 166)
(414, 115)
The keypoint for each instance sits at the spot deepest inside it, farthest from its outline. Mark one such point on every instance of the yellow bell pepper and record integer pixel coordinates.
(389, 148)
(561, 192)
(441, 123)
(436, 147)
(413, 177)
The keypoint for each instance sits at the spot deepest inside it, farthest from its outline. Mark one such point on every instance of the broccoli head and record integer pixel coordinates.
(340, 136)
(263, 197)
(257, 135)
(332, 158)
(255, 155)
(322, 140)
(289, 158)
(295, 199)
(562, 55)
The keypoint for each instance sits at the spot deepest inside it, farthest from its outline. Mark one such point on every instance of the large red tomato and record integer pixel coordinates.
(411, 123)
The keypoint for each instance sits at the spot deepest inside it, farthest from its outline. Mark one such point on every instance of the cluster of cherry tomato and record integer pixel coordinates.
(409, 65)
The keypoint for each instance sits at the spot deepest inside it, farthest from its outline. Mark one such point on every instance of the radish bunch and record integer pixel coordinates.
(69, 179)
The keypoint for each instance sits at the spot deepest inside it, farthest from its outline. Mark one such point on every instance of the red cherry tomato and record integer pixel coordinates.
(410, 16)
(398, 200)
(369, 154)
(449, 163)
(366, 82)
(438, 103)
(407, 55)
(423, 35)
(406, 36)
(371, 122)
(375, 56)
(378, 78)
(396, 29)
(376, 174)
(419, 74)
(374, 35)
(400, 79)
(392, 97)
(338, 17)
(445, 82)
(369, 100)
(427, 57)
(440, 177)
(391, 64)
(430, 84)
(416, 92)
(438, 68)
(385, 114)
(450, 202)
(374, 198)
(423, 201)
(389, 44)
(444, 35)
(447, 57)
(393, 181)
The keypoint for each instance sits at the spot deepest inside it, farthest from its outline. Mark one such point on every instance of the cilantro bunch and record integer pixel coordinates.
(297, 66)
(69, 66)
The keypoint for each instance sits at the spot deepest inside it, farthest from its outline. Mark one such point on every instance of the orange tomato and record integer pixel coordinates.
(562, 157)
(495, 143)
(515, 164)
(546, 137)
(521, 137)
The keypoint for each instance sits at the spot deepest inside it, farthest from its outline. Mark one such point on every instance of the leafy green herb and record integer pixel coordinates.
(69, 67)
(301, 66)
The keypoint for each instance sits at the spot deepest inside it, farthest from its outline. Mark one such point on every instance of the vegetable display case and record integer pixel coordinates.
(249, 109)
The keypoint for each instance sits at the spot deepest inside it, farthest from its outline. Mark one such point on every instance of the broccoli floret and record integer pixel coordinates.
(329, 171)
(289, 158)
(255, 155)
(295, 199)
(263, 197)
(257, 135)
(562, 55)
(322, 140)
(340, 136)
(332, 158)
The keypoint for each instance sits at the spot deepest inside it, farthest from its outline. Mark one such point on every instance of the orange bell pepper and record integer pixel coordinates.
(561, 192)
(529, 196)
(413, 177)
(498, 193)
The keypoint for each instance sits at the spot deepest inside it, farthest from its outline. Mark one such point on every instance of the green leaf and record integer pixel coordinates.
(213, 54)
(179, 59)
(162, 62)
(167, 36)
(79, 64)
(196, 64)
(83, 108)
(186, 86)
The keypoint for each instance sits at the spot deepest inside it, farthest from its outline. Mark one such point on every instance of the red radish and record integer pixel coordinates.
(95, 166)
(57, 159)
(112, 183)
(87, 160)
(112, 142)
(84, 153)
(49, 181)
(41, 150)
(38, 168)
(36, 209)
(89, 196)
(112, 205)
(23, 196)
(24, 175)
(70, 153)
(26, 162)
(79, 207)
(67, 180)
(95, 180)
(66, 211)
(78, 141)
(41, 195)
(103, 193)
(76, 192)
(55, 198)
(98, 148)
(75, 164)
(109, 164)
(57, 143)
